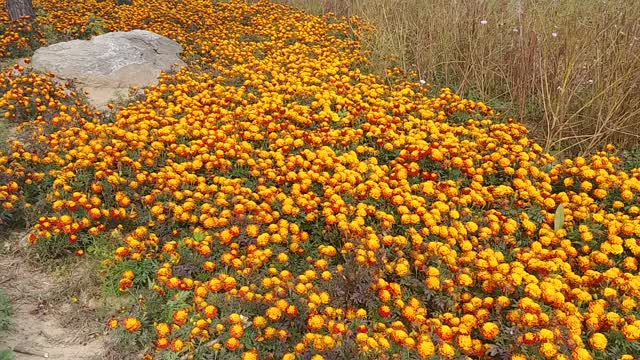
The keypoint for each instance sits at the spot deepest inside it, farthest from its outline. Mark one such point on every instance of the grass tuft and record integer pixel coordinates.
(6, 311)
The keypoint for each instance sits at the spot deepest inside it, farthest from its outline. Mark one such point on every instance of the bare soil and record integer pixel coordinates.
(55, 315)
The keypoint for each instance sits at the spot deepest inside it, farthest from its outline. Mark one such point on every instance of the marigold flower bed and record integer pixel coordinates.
(274, 200)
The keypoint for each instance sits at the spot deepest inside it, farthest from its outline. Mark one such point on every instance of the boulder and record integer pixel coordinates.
(106, 66)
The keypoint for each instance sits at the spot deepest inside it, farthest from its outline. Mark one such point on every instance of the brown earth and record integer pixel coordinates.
(55, 315)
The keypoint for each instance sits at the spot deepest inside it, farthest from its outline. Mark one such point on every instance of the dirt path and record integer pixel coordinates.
(47, 322)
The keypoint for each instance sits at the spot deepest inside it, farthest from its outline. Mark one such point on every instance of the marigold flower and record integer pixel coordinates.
(236, 330)
(232, 344)
(598, 341)
(489, 330)
(180, 317)
(425, 347)
(581, 354)
(132, 324)
(250, 355)
(162, 330)
(384, 311)
(274, 314)
(162, 343)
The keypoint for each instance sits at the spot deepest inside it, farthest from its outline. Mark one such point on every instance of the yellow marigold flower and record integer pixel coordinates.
(546, 335)
(283, 258)
(549, 203)
(628, 304)
(465, 280)
(402, 269)
(433, 283)
(250, 355)
(631, 332)
(548, 349)
(581, 354)
(465, 342)
(252, 230)
(259, 322)
(447, 351)
(609, 292)
(315, 322)
(598, 341)
(274, 314)
(235, 318)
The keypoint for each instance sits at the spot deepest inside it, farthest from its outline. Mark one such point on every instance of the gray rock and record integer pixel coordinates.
(107, 65)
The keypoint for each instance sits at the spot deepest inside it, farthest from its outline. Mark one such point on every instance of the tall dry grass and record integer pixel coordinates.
(568, 69)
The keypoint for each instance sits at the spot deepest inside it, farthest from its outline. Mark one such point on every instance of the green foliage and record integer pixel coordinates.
(6, 311)
(5, 137)
(7, 355)
(631, 159)
(95, 26)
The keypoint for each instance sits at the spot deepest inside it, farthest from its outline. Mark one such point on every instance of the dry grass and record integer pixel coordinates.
(568, 69)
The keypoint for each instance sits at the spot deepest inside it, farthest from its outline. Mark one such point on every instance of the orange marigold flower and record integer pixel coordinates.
(425, 347)
(177, 345)
(489, 330)
(236, 330)
(132, 324)
(162, 343)
(210, 311)
(180, 317)
(232, 344)
(163, 330)
(384, 311)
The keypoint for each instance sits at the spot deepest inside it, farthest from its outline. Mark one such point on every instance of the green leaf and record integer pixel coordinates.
(558, 222)
(198, 236)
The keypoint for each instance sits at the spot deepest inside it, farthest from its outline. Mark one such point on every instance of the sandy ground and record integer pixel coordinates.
(47, 322)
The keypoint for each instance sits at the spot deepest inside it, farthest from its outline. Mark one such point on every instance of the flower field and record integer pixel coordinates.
(273, 200)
